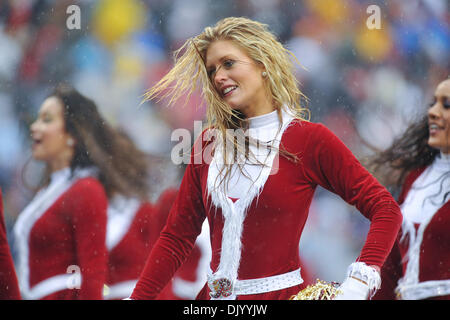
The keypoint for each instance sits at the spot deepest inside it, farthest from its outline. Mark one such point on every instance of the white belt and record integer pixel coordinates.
(423, 290)
(52, 285)
(224, 288)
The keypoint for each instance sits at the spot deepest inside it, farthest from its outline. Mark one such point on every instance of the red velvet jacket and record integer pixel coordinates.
(274, 222)
(434, 250)
(185, 282)
(67, 239)
(9, 287)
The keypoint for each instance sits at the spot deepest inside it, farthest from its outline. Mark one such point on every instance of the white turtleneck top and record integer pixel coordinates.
(263, 128)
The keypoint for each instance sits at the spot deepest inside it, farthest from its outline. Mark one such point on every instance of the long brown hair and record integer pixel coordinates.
(122, 166)
(408, 152)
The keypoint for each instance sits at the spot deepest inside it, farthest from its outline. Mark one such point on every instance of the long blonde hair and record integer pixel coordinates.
(189, 71)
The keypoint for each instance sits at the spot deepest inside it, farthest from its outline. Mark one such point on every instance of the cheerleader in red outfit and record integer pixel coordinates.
(134, 225)
(9, 287)
(418, 266)
(61, 234)
(253, 173)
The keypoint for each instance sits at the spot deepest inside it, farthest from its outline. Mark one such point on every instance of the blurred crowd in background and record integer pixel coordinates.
(365, 84)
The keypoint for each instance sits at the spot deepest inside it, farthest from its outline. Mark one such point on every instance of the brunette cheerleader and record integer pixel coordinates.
(418, 266)
(61, 234)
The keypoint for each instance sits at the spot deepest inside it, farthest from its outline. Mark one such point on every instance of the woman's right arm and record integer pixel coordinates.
(177, 238)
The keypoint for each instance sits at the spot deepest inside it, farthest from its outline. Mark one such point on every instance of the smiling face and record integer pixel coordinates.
(439, 118)
(237, 78)
(51, 142)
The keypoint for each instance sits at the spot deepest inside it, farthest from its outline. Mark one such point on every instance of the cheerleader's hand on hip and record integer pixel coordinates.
(352, 289)
(361, 283)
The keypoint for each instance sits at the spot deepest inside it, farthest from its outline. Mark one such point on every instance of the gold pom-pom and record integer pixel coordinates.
(321, 290)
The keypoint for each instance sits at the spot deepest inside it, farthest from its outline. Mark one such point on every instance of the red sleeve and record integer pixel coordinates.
(329, 163)
(9, 287)
(177, 238)
(88, 206)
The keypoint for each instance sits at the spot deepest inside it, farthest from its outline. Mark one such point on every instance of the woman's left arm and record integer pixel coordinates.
(333, 166)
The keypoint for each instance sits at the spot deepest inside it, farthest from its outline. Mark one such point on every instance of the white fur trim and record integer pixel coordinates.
(234, 212)
(423, 290)
(121, 212)
(60, 183)
(411, 276)
(51, 285)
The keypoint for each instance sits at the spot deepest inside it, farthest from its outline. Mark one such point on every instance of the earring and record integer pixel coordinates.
(264, 74)
(70, 142)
